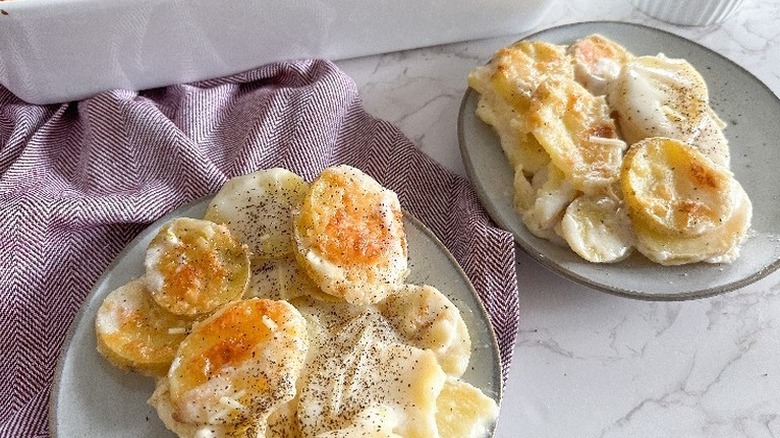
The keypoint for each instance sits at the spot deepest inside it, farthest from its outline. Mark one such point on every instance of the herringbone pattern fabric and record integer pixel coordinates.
(78, 181)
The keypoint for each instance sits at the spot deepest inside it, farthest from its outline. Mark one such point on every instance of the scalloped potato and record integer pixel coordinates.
(135, 333)
(597, 62)
(350, 237)
(575, 129)
(257, 208)
(684, 207)
(566, 115)
(287, 353)
(193, 266)
(657, 96)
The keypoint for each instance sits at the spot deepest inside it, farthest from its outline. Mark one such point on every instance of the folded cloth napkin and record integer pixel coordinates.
(79, 180)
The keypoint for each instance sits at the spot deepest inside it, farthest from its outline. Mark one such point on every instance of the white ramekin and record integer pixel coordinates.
(689, 12)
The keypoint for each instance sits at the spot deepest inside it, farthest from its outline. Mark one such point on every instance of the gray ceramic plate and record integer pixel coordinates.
(92, 398)
(752, 113)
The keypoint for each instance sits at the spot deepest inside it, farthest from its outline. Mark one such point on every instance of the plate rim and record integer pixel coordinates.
(69, 339)
(557, 268)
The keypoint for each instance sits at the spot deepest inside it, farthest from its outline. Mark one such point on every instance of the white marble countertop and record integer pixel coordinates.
(589, 364)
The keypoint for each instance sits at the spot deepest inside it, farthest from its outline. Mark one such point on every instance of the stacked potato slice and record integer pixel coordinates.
(284, 312)
(599, 138)
(684, 207)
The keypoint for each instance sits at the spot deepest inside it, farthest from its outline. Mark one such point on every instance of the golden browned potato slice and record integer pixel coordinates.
(683, 207)
(672, 188)
(597, 61)
(718, 245)
(134, 333)
(514, 72)
(576, 130)
(194, 266)
(350, 236)
(239, 363)
(506, 85)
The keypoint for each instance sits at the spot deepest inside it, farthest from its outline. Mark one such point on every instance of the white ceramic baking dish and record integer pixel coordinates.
(62, 50)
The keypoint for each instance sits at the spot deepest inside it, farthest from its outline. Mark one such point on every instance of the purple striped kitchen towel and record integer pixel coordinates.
(79, 180)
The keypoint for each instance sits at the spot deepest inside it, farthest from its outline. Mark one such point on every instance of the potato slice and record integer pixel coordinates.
(514, 72)
(194, 266)
(257, 208)
(464, 411)
(506, 84)
(683, 207)
(426, 318)
(520, 147)
(239, 363)
(597, 229)
(375, 421)
(134, 333)
(718, 245)
(350, 236)
(552, 194)
(360, 366)
(672, 188)
(597, 61)
(575, 129)
(283, 279)
(657, 96)
(252, 427)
